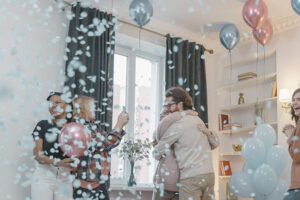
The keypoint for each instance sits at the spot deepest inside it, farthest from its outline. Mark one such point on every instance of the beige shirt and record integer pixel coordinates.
(191, 146)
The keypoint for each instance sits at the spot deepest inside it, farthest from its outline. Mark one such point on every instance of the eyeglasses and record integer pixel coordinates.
(167, 105)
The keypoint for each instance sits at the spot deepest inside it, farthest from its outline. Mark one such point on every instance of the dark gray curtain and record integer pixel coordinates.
(90, 56)
(185, 67)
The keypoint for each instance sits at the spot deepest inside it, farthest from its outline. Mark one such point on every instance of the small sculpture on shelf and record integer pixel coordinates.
(237, 148)
(241, 99)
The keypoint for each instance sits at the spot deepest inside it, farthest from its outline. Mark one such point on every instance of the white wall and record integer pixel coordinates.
(32, 39)
(286, 45)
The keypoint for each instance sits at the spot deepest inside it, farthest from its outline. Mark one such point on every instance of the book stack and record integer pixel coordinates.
(246, 76)
(225, 168)
(232, 126)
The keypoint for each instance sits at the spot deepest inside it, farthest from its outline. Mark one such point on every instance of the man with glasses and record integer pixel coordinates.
(192, 143)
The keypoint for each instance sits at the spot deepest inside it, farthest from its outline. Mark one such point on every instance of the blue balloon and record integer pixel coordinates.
(241, 185)
(140, 12)
(278, 193)
(254, 152)
(296, 6)
(266, 134)
(260, 196)
(265, 179)
(248, 171)
(277, 158)
(229, 36)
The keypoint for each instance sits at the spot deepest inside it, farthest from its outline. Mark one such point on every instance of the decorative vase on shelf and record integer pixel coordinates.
(241, 99)
(131, 181)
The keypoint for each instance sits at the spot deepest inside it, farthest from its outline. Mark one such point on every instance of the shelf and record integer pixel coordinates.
(249, 82)
(243, 106)
(250, 60)
(231, 154)
(137, 188)
(225, 177)
(242, 130)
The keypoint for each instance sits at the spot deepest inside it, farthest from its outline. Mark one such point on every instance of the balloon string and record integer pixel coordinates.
(264, 87)
(140, 38)
(230, 103)
(256, 84)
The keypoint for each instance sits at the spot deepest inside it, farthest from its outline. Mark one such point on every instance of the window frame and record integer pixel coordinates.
(131, 55)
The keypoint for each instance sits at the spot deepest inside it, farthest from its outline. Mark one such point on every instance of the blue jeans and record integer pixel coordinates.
(294, 194)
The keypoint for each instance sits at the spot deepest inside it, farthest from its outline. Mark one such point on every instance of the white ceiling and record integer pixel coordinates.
(197, 18)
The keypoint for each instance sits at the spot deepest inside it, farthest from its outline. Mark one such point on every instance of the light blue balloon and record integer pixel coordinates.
(277, 158)
(266, 134)
(229, 36)
(278, 193)
(241, 185)
(248, 171)
(296, 6)
(260, 196)
(254, 152)
(141, 11)
(265, 179)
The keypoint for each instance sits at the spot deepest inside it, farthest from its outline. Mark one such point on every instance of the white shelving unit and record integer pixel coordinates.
(231, 154)
(257, 93)
(249, 82)
(242, 106)
(245, 130)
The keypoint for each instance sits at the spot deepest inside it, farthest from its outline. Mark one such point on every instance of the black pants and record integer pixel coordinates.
(98, 193)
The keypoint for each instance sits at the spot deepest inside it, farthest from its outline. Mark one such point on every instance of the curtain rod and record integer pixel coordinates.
(142, 28)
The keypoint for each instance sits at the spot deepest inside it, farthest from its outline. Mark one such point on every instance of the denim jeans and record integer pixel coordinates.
(293, 194)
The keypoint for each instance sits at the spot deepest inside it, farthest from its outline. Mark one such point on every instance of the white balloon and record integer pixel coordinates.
(278, 193)
(277, 158)
(241, 185)
(265, 179)
(266, 134)
(254, 152)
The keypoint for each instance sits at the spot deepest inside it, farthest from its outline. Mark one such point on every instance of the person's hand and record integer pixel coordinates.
(122, 120)
(204, 129)
(288, 129)
(66, 163)
(191, 112)
(154, 143)
(164, 114)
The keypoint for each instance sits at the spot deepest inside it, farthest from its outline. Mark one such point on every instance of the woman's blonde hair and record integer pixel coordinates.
(82, 107)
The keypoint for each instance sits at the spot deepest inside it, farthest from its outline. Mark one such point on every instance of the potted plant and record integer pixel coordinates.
(134, 150)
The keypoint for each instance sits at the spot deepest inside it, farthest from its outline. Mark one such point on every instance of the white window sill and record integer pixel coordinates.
(133, 188)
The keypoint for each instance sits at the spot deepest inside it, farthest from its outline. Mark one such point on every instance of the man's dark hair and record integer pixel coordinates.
(52, 94)
(180, 95)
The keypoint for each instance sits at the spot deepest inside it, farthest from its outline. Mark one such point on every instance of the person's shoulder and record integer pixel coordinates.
(42, 123)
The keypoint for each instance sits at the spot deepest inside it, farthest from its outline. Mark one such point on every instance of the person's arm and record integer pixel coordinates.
(294, 150)
(42, 159)
(112, 139)
(165, 123)
(173, 134)
(212, 136)
(168, 120)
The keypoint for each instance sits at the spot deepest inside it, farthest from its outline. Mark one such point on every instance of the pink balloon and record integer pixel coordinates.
(255, 14)
(264, 34)
(74, 139)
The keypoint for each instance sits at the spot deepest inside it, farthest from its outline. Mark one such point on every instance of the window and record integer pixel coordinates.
(138, 87)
